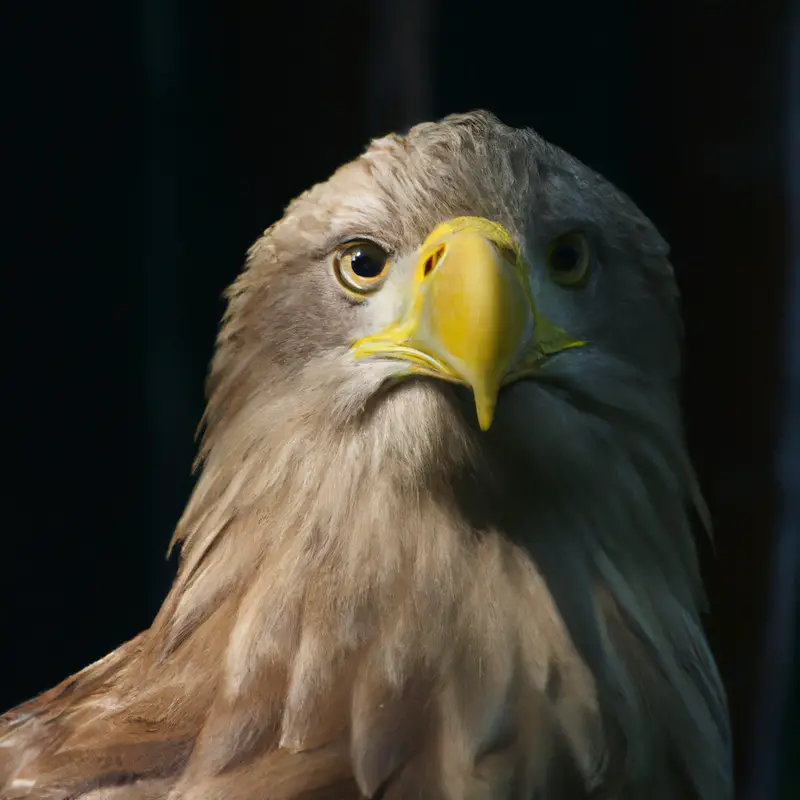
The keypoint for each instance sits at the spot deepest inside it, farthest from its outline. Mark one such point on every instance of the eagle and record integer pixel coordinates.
(441, 545)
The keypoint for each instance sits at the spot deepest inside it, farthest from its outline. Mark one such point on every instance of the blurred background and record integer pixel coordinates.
(149, 142)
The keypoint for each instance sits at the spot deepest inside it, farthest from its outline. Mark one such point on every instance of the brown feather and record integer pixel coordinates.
(375, 600)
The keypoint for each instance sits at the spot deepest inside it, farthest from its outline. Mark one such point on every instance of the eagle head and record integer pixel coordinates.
(440, 545)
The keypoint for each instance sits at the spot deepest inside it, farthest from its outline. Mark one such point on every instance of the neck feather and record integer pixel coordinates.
(349, 576)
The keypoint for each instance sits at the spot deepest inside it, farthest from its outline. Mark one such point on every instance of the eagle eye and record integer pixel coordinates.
(361, 267)
(568, 259)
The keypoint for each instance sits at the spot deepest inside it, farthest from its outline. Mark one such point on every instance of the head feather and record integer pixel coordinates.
(374, 599)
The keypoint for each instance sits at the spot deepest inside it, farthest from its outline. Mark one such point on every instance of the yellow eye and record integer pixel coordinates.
(568, 259)
(361, 267)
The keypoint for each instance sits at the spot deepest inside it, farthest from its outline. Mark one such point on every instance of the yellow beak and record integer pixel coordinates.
(471, 318)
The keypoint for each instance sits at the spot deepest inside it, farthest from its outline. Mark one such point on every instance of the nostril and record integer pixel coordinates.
(432, 261)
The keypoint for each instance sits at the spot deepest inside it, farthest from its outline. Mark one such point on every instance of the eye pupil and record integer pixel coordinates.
(361, 267)
(565, 257)
(569, 259)
(367, 264)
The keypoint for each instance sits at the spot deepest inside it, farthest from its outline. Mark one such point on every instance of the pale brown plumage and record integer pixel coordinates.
(376, 599)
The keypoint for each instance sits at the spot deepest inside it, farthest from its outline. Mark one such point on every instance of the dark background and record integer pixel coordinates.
(148, 143)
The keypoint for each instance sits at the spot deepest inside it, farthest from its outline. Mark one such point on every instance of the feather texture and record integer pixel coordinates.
(375, 600)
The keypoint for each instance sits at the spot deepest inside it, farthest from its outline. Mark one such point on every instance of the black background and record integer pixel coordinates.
(147, 144)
